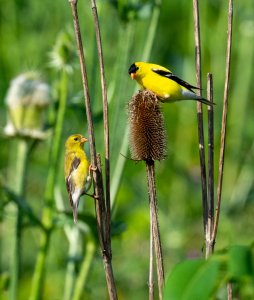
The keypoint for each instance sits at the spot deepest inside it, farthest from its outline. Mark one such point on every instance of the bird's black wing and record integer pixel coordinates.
(173, 77)
(68, 181)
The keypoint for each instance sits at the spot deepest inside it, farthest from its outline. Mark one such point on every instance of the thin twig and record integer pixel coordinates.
(199, 112)
(82, 62)
(155, 225)
(106, 247)
(97, 174)
(105, 109)
(210, 202)
(224, 121)
(151, 281)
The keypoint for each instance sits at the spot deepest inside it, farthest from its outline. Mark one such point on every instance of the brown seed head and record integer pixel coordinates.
(147, 133)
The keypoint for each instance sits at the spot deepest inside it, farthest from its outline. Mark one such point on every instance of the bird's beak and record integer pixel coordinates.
(133, 75)
(83, 140)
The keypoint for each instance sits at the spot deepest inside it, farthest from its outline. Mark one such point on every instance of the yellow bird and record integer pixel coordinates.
(161, 81)
(77, 170)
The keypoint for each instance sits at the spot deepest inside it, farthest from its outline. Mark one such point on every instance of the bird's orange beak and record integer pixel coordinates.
(133, 75)
(83, 140)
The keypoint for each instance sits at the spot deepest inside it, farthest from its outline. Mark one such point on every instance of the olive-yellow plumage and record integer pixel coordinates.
(163, 83)
(76, 169)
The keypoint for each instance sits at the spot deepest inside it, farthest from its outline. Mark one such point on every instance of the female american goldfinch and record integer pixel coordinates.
(163, 83)
(76, 169)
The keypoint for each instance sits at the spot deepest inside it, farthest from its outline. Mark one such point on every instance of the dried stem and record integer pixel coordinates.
(155, 225)
(106, 248)
(103, 226)
(73, 4)
(224, 121)
(105, 108)
(200, 113)
(210, 203)
(151, 281)
(230, 291)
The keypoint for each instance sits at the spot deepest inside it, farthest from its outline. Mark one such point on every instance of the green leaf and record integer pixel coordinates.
(193, 279)
(240, 262)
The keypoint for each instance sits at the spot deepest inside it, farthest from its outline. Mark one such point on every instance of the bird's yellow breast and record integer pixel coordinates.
(163, 87)
(80, 174)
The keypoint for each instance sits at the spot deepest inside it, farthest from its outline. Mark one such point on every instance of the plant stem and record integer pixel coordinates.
(23, 206)
(84, 270)
(106, 121)
(200, 113)
(105, 242)
(230, 291)
(95, 161)
(124, 146)
(38, 278)
(210, 200)
(118, 106)
(19, 186)
(152, 30)
(73, 236)
(224, 121)
(151, 281)
(155, 224)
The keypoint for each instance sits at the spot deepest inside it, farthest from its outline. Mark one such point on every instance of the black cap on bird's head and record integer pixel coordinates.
(132, 70)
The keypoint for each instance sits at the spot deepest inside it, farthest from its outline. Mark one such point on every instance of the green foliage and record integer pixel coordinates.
(201, 279)
(193, 279)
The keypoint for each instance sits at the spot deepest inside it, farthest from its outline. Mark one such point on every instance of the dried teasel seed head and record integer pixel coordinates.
(147, 133)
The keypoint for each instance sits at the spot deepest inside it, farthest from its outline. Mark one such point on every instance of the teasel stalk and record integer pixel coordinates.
(61, 61)
(27, 100)
(148, 143)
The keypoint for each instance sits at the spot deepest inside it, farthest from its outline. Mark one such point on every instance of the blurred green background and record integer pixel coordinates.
(30, 31)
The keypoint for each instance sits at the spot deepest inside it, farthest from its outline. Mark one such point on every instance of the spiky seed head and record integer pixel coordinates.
(147, 133)
(64, 54)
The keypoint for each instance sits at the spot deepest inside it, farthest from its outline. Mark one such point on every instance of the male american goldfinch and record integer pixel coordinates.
(161, 81)
(76, 169)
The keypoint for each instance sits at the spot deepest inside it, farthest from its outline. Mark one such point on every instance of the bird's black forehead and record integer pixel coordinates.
(133, 69)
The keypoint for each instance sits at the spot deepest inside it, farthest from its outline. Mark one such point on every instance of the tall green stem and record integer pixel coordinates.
(38, 278)
(119, 166)
(85, 267)
(19, 184)
(73, 236)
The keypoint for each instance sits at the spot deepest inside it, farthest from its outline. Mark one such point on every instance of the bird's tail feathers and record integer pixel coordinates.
(205, 101)
(186, 94)
(75, 212)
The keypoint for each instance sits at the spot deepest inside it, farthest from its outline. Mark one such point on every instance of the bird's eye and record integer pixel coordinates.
(75, 139)
(133, 69)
